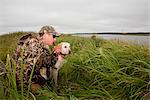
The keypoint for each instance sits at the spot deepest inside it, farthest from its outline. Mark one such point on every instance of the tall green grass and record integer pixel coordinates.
(106, 69)
(8, 43)
(96, 69)
(9, 88)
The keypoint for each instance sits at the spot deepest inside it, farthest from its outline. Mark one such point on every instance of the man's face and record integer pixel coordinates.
(48, 39)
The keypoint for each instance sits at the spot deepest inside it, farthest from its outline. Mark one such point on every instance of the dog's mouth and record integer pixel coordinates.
(62, 55)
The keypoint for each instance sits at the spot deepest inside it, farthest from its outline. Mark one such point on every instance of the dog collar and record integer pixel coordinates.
(54, 67)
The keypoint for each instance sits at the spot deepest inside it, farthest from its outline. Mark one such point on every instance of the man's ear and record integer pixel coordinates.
(57, 49)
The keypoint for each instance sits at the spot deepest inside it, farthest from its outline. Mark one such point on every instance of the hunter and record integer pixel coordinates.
(29, 51)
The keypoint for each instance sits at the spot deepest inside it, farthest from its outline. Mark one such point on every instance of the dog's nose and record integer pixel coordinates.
(69, 52)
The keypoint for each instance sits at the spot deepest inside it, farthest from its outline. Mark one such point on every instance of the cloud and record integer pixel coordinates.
(75, 15)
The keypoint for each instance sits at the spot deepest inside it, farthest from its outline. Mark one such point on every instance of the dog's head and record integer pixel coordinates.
(62, 48)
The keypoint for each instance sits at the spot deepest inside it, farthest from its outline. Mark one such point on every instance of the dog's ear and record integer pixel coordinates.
(57, 49)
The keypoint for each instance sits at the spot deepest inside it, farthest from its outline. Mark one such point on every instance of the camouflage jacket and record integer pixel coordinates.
(27, 55)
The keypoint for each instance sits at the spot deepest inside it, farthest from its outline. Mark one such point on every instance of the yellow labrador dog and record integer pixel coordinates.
(57, 60)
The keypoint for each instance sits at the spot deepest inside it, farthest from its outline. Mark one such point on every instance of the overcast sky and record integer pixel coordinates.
(75, 15)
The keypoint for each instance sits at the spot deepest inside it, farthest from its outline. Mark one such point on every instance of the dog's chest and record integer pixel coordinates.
(59, 62)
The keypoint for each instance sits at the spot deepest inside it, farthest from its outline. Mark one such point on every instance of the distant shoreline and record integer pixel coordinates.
(94, 33)
(116, 33)
(142, 39)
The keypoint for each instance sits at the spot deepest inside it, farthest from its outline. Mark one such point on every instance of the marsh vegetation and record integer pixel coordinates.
(96, 69)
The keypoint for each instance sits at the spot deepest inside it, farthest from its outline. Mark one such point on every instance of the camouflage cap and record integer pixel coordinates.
(49, 29)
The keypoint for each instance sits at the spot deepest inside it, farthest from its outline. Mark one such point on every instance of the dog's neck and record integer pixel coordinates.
(59, 55)
(57, 58)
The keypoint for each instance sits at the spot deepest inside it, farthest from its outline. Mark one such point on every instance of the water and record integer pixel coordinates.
(128, 38)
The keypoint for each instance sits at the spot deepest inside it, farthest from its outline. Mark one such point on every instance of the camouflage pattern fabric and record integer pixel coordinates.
(49, 29)
(45, 61)
(28, 53)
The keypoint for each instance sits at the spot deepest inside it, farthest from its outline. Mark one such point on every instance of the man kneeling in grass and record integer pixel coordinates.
(28, 52)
